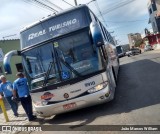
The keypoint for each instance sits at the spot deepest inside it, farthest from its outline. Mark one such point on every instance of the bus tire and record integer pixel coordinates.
(114, 77)
(111, 83)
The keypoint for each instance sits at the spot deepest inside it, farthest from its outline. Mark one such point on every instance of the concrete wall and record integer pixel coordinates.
(6, 46)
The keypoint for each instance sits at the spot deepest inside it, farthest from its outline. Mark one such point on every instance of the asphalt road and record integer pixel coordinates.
(137, 99)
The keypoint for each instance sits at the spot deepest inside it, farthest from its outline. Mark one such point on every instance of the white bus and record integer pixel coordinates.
(70, 61)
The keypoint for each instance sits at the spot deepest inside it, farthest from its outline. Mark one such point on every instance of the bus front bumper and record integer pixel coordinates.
(98, 97)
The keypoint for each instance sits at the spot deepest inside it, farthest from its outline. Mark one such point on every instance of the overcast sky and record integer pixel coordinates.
(131, 18)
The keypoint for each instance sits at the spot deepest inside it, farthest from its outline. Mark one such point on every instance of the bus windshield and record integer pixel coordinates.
(67, 58)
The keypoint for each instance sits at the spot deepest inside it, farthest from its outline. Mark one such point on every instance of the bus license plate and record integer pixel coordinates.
(69, 106)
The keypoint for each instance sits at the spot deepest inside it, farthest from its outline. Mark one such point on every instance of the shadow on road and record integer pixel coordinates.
(138, 86)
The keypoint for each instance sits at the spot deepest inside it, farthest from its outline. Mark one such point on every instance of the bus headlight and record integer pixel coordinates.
(37, 103)
(40, 103)
(44, 103)
(98, 87)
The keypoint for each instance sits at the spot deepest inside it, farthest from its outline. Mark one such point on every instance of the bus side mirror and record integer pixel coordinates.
(6, 60)
(96, 34)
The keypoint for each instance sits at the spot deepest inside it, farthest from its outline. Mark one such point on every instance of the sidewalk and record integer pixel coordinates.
(21, 120)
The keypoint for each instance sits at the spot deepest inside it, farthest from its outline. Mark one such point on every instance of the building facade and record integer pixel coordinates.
(133, 37)
(154, 14)
(6, 46)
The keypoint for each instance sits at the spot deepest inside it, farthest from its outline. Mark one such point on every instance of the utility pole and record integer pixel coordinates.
(75, 1)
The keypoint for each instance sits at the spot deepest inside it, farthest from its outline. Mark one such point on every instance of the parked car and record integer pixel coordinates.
(147, 48)
(120, 51)
(128, 53)
(133, 51)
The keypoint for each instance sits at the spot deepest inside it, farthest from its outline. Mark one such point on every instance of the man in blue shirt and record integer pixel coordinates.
(7, 89)
(20, 86)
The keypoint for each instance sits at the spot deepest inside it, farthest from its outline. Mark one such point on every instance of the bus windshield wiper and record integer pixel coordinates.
(66, 64)
(38, 75)
(63, 62)
(50, 67)
(69, 67)
(47, 73)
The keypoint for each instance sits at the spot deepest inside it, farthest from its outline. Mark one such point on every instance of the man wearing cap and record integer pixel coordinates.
(21, 87)
(7, 89)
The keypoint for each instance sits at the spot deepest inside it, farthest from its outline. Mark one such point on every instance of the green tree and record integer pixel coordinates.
(139, 42)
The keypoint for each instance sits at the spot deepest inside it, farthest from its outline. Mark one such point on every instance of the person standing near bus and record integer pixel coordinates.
(21, 87)
(7, 89)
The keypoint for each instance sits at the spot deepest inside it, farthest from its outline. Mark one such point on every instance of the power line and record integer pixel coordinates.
(68, 3)
(53, 4)
(117, 6)
(97, 6)
(46, 6)
(37, 2)
(116, 3)
(112, 9)
(128, 25)
(120, 5)
(90, 2)
(126, 21)
(34, 4)
(8, 36)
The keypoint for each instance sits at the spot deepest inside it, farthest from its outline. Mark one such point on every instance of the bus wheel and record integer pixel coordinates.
(113, 78)
(112, 83)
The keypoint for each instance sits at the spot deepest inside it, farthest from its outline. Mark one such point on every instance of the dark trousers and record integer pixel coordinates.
(13, 105)
(27, 106)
